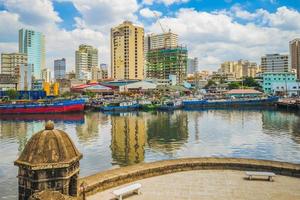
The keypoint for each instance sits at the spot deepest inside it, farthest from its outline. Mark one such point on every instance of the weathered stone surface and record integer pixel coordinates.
(49, 148)
(50, 195)
(211, 185)
(119, 176)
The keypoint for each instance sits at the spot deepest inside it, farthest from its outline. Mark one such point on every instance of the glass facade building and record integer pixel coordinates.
(32, 43)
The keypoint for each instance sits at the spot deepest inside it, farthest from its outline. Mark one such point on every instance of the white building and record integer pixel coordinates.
(275, 63)
(46, 75)
(159, 41)
(85, 58)
(192, 65)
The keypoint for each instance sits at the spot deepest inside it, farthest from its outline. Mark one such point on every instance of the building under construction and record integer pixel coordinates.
(163, 62)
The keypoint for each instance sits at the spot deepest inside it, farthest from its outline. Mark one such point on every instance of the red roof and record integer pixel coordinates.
(243, 91)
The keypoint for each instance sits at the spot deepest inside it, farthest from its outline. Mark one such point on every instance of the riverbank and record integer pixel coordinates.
(116, 177)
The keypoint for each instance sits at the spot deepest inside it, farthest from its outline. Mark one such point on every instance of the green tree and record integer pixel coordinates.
(209, 84)
(251, 82)
(234, 85)
(12, 94)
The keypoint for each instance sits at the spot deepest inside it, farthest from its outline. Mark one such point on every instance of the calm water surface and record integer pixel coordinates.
(108, 141)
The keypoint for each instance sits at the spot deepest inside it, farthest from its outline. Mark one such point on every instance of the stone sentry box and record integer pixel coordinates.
(49, 161)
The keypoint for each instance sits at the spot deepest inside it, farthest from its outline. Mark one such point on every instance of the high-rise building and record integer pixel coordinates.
(239, 69)
(104, 71)
(192, 65)
(159, 41)
(25, 81)
(127, 51)
(59, 68)
(46, 75)
(295, 55)
(11, 63)
(86, 57)
(96, 73)
(275, 63)
(32, 43)
(161, 63)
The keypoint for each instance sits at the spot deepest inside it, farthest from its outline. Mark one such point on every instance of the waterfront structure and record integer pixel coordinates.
(46, 75)
(161, 63)
(11, 63)
(32, 43)
(275, 63)
(86, 57)
(243, 93)
(49, 161)
(295, 55)
(59, 68)
(127, 51)
(192, 65)
(280, 83)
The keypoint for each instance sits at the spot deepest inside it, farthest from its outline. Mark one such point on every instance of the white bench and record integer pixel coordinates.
(270, 175)
(119, 193)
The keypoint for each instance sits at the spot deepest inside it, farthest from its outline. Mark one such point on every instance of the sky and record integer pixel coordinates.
(213, 30)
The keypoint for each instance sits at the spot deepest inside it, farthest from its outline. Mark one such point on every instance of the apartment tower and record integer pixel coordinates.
(295, 55)
(127, 51)
(86, 57)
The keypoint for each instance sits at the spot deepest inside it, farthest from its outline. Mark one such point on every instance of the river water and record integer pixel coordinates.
(107, 141)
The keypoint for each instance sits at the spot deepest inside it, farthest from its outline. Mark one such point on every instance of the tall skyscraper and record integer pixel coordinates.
(32, 43)
(275, 63)
(86, 57)
(127, 51)
(59, 68)
(295, 55)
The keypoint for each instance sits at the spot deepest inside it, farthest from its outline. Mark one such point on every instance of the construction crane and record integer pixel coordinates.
(166, 36)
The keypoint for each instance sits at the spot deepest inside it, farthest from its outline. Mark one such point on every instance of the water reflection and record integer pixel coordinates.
(128, 138)
(280, 123)
(90, 129)
(118, 140)
(167, 131)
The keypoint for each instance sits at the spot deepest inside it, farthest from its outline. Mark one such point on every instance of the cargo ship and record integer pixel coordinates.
(243, 102)
(59, 106)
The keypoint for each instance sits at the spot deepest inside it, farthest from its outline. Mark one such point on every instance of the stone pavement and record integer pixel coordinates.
(211, 185)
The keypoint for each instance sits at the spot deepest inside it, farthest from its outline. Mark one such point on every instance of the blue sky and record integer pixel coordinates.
(213, 30)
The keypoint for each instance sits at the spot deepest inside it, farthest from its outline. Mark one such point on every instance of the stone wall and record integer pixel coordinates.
(115, 177)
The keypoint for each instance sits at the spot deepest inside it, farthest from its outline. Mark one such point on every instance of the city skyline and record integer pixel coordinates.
(216, 32)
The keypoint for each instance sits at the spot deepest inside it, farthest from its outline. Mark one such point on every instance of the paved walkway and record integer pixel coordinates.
(211, 185)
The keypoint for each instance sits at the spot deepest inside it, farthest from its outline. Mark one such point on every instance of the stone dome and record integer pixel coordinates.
(49, 148)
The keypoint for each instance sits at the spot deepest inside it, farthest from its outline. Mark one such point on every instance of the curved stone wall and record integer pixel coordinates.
(115, 177)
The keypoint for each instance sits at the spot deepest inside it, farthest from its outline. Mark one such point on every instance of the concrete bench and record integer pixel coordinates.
(270, 175)
(134, 188)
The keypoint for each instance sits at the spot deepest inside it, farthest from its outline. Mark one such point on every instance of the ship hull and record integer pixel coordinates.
(230, 103)
(57, 107)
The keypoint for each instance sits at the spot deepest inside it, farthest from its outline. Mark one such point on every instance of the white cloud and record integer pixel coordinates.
(40, 12)
(166, 2)
(147, 13)
(213, 37)
(217, 37)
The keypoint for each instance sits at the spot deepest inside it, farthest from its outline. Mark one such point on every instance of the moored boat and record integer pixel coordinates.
(170, 105)
(120, 106)
(60, 106)
(243, 102)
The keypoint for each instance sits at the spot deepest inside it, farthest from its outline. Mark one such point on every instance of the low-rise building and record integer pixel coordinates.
(8, 81)
(280, 83)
